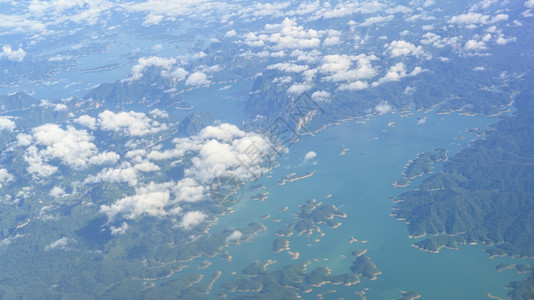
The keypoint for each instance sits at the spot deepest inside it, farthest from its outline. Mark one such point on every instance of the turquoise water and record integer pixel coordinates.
(360, 183)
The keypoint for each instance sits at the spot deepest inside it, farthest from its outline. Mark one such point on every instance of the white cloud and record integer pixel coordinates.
(153, 61)
(437, 41)
(118, 175)
(130, 123)
(59, 244)
(396, 73)
(119, 230)
(338, 67)
(475, 45)
(152, 20)
(87, 121)
(158, 113)
(57, 192)
(157, 10)
(104, 158)
(404, 48)
(6, 124)
(197, 78)
(321, 96)
(354, 86)
(331, 41)
(288, 67)
(36, 164)
(177, 74)
(376, 20)
(234, 237)
(189, 190)
(286, 35)
(72, 147)
(192, 219)
(60, 107)
(529, 3)
(148, 200)
(13, 55)
(383, 108)
(310, 155)
(230, 33)
(5, 176)
(299, 88)
(472, 19)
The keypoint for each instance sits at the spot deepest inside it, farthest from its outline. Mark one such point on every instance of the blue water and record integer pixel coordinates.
(361, 183)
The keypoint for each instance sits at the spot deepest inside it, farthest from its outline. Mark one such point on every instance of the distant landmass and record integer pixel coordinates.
(483, 194)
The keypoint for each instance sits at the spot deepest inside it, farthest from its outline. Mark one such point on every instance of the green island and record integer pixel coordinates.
(483, 195)
(364, 266)
(520, 268)
(280, 245)
(411, 295)
(313, 213)
(286, 283)
(421, 165)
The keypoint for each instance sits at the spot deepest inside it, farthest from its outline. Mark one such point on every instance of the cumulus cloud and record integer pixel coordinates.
(404, 48)
(473, 19)
(5, 176)
(6, 124)
(104, 158)
(148, 200)
(214, 151)
(230, 33)
(321, 96)
(145, 62)
(197, 78)
(288, 67)
(129, 123)
(119, 230)
(310, 155)
(72, 147)
(158, 10)
(331, 41)
(376, 20)
(396, 73)
(299, 88)
(235, 236)
(158, 113)
(286, 35)
(529, 3)
(13, 55)
(339, 68)
(189, 190)
(62, 243)
(475, 45)
(383, 108)
(354, 86)
(437, 41)
(192, 219)
(87, 121)
(57, 192)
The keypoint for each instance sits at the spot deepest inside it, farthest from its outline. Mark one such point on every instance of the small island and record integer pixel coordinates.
(421, 165)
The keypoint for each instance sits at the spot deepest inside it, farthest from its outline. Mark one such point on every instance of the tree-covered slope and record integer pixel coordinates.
(485, 193)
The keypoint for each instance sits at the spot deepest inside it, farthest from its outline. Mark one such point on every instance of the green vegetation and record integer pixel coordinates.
(483, 194)
(421, 165)
(280, 245)
(312, 214)
(522, 290)
(364, 266)
(286, 283)
(411, 295)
